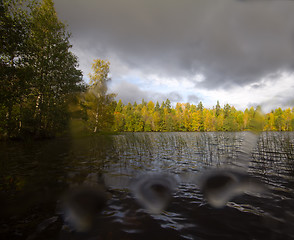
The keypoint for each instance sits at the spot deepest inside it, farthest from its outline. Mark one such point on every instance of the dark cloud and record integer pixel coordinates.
(174, 97)
(129, 92)
(193, 99)
(257, 85)
(229, 42)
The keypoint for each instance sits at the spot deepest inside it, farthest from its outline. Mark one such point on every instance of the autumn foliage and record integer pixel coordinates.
(188, 117)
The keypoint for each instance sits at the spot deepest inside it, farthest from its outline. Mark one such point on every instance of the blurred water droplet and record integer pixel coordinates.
(220, 186)
(81, 206)
(154, 191)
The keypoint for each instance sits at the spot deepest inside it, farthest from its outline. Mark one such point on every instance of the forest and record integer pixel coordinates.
(188, 117)
(38, 71)
(43, 95)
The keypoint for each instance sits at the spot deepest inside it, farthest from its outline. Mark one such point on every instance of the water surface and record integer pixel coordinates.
(35, 175)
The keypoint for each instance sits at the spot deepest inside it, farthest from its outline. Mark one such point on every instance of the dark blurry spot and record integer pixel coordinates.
(221, 186)
(82, 205)
(256, 85)
(216, 182)
(159, 189)
(154, 191)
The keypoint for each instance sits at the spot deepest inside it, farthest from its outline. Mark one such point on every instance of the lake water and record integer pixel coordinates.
(34, 177)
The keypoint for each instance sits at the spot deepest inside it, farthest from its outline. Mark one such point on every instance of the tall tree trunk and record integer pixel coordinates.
(37, 109)
(37, 115)
(96, 119)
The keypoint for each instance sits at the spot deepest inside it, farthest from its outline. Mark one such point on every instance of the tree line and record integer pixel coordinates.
(189, 117)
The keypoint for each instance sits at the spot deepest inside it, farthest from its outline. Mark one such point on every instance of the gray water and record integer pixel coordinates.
(36, 175)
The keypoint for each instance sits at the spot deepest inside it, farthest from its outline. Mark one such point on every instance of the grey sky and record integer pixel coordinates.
(231, 43)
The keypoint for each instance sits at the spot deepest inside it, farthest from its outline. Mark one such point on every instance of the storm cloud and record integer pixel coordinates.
(193, 98)
(129, 92)
(228, 42)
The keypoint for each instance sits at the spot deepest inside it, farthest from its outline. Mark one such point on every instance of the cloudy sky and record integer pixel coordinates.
(239, 52)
